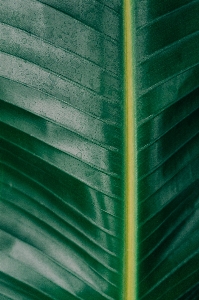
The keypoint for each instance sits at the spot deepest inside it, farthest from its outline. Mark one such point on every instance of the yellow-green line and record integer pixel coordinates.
(130, 194)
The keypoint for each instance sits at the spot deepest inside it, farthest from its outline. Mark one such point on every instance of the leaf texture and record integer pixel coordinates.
(62, 153)
(61, 160)
(168, 157)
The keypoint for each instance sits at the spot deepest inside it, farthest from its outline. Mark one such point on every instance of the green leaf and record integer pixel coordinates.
(99, 137)
(167, 118)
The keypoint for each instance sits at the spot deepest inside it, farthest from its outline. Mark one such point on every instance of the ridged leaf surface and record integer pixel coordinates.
(61, 160)
(62, 149)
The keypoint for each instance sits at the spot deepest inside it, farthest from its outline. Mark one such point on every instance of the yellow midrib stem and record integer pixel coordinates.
(130, 273)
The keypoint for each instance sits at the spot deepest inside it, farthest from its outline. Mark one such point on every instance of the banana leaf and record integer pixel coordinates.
(99, 159)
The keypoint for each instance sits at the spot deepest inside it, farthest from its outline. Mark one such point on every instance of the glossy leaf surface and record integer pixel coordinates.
(62, 151)
(61, 208)
(168, 156)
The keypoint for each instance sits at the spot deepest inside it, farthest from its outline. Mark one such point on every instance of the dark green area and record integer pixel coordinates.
(60, 144)
(168, 148)
(61, 149)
